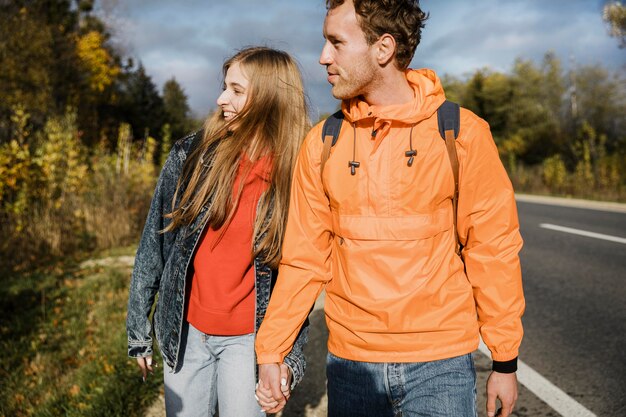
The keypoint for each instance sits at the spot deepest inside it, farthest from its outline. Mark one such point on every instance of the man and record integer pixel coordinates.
(403, 309)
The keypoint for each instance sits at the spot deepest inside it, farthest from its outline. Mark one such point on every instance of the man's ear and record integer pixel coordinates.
(386, 49)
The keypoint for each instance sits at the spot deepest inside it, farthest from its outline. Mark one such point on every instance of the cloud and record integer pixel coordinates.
(461, 37)
(191, 39)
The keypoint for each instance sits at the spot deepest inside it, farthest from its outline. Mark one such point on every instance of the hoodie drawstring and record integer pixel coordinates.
(354, 164)
(412, 152)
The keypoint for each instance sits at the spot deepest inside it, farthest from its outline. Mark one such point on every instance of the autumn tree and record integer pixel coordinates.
(614, 14)
(26, 54)
(54, 55)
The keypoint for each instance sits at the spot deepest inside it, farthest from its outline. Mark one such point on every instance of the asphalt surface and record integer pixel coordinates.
(575, 288)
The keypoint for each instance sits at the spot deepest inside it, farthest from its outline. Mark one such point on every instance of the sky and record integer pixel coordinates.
(190, 39)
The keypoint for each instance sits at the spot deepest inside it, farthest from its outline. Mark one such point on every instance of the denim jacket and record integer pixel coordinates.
(163, 265)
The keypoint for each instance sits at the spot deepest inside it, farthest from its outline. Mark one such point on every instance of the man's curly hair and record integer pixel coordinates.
(402, 19)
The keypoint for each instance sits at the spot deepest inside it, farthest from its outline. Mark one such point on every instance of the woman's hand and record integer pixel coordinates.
(285, 380)
(145, 364)
(274, 387)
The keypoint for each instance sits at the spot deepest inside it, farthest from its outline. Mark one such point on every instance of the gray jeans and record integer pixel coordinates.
(215, 371)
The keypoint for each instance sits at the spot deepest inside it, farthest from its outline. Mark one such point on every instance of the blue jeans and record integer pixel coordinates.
(215, 370)
(443, 388)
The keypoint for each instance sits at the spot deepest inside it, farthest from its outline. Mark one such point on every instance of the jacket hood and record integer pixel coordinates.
(428, 95)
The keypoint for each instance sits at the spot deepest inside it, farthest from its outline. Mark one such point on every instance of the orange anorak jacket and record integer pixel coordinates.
(382, 243)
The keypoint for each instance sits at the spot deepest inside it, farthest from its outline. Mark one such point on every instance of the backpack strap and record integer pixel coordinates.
(330, 133)
(449, 120)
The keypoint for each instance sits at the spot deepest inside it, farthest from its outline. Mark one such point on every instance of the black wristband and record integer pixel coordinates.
(506, 367)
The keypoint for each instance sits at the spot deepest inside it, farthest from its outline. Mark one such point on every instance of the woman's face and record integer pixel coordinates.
(235, 94)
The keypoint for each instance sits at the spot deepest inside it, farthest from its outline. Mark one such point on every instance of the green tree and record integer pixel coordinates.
(142, 104)
(601, 102)
(454, 88)
(531, 113)
(176, 109)
(474, 97)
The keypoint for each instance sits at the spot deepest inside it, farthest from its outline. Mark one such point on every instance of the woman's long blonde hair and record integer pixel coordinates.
(273, 121)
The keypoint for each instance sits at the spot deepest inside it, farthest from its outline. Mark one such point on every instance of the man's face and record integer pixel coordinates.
(349, 60)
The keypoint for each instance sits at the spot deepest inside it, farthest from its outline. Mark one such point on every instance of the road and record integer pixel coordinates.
(575, 288)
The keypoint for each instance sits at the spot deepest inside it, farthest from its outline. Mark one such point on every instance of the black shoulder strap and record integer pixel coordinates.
(331, 129)
(332, 126)
(448, 118)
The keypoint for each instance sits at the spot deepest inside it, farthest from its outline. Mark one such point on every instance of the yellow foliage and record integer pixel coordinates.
(585, 180)
(62, 159)
(97, 61)
(19, 119)
(509, 149)
(18, 180)
(57, 196)
(554, 172)
(108, 368)
(74, 390)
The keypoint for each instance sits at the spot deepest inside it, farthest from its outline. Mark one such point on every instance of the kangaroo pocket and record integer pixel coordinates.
(381, 258)
(389, 274)
(408, 227)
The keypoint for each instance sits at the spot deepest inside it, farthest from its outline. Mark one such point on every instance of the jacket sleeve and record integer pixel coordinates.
(295, 359)
(305, 264)
(150, 259)
(489, 231)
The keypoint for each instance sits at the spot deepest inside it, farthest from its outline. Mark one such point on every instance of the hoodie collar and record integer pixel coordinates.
(428, 95)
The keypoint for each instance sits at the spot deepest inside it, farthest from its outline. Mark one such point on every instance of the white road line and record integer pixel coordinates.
(572, 202)
(583, 233)
(546, 390)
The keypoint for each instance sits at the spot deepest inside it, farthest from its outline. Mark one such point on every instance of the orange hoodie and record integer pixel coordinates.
(382, 243)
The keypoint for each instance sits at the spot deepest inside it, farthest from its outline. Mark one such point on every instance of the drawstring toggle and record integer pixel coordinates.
(353, 165)
(411, 155)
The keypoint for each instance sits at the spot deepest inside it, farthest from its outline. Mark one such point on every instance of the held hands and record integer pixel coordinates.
(504, 387)
(273, 389)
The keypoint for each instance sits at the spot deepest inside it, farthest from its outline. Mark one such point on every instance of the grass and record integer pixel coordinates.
(64, 346)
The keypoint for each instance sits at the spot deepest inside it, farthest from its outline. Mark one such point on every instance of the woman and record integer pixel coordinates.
(212, 241)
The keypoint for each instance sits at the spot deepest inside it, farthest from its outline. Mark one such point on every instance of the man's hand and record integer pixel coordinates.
(504, 387)
(145, 364)
(269, 393)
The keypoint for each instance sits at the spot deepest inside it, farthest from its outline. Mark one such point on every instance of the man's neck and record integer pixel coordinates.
(391, 88)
